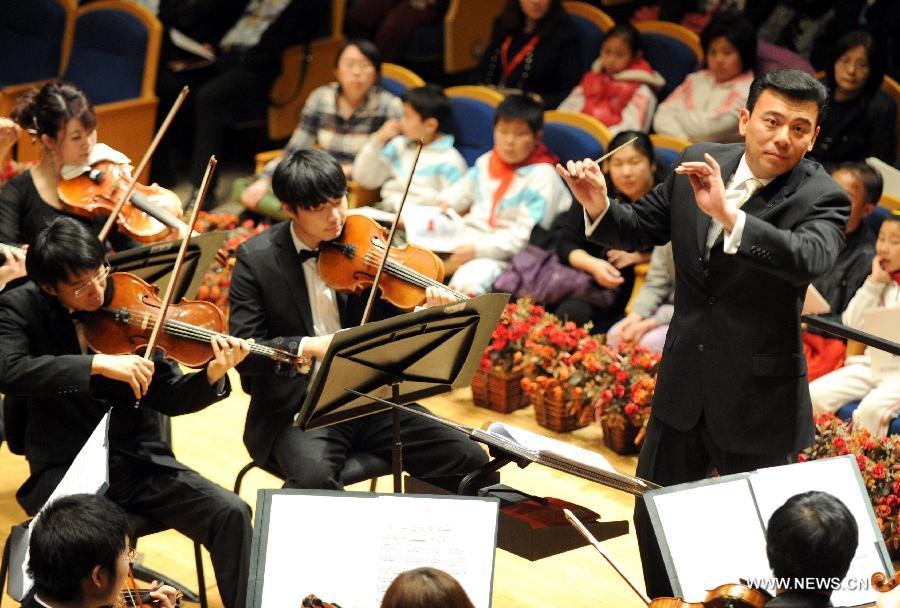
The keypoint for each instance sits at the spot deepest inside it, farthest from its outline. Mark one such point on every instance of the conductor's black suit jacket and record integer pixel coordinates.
(733, 354)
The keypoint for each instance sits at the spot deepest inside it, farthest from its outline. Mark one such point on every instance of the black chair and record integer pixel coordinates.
(359, 467)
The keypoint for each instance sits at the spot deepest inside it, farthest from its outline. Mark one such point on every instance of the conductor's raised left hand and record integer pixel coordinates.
(709, 190)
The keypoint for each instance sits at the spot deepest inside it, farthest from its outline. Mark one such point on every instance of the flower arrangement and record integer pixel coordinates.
(878, 461)
(625, 385)
(504, 353)
(10, 168)
(217, 280)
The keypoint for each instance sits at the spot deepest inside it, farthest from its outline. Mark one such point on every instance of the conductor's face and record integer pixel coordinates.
(778, 133)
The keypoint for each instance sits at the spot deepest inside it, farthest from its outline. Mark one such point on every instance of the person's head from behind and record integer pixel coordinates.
(857, 67)
(812, 536)
(518, 122)
(887, 246)
(781, 120)
(66, 259)
(79, 551)
(357, 68)
(426, 113)
(863, 185)
(62, 118)
(632, 170)
(313, 192)
(729, 45)
(621, 47)
(425, 588)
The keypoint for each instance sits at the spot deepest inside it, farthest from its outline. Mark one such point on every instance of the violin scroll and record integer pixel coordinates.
(883, 584)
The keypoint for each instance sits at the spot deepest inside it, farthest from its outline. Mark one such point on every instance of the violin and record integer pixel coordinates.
(124, 326)
(349, 264)
(311, 601)
(883, 584)
(132, 596)
(151, 213)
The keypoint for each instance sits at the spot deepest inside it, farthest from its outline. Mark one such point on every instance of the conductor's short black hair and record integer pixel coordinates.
(793, 84)
(521, 107)
(307, 179)
(62, 250)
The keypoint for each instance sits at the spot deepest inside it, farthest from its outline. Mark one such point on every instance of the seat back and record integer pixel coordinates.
(592, 25)
(473, 118)
(398, 79)
(33, 38)
(115, 51)
(673, 51)
(668, 148)
(892, 88)
(574, 136)
(467, 32)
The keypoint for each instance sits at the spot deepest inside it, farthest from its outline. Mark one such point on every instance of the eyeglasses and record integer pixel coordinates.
(94, 280)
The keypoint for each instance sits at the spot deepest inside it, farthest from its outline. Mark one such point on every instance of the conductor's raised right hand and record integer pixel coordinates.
(136, 371)
(587, 183)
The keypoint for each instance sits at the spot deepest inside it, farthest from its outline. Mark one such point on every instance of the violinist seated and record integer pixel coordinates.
(79, 557)
(810, 539)
(508, 192)
(67, 388)
(278, 298)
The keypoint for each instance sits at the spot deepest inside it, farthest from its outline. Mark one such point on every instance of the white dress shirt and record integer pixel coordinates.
(322, 298)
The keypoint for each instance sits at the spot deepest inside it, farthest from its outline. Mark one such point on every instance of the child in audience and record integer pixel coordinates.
(510, 189)
(880, 400)
(387, 157)
(863, 183)
(620, 90)
(706, 106)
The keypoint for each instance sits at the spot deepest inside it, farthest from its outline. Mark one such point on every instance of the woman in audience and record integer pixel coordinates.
(533, 48)
(620, 90)
(425, 588)
(706, 106)
(391, 23)
(338, 117)
(861, 118)
(631, 173)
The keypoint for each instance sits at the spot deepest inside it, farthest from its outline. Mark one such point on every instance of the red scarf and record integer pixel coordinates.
(500, 169)
(896, 276)
(605, 96)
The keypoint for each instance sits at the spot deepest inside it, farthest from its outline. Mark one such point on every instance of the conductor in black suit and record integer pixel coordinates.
(751, 226)
(279, 299)
(68, 389)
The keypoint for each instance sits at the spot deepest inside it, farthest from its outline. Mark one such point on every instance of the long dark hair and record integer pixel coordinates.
(512, 19)
(874, 55)
(46, 110)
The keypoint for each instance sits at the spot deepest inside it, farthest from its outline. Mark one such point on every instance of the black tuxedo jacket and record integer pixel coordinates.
(41, 361)
(733, 354)
(270, 303)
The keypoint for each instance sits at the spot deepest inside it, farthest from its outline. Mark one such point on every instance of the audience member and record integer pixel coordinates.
(861, 119)
(706, 106)
(390, 23)
(338, 117)
(620, 90)
(863, 184)
(532, 49)
(425, 588)
(796, 25)
(511, 189)
(879, 397)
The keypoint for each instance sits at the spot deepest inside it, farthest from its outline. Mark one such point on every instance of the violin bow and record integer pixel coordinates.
(582, 529)
(111, 220)
(176, 268)
(390, 238)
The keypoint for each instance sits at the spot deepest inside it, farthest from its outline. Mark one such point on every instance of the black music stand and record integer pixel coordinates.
(401, 359)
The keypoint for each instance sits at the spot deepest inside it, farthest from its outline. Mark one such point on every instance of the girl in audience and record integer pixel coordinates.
(880, 397)
(620, 90)
(861, 119)
(425, 588)
(532, 47)
(337, 117)
(706, 106)
(631, 173)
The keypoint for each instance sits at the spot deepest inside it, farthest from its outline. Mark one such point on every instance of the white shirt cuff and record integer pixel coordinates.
(732, 239)
(589, 226)
(300, 348)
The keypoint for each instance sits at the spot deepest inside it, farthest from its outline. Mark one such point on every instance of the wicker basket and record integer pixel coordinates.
(619, 438)
(499, 391)
(560, 416)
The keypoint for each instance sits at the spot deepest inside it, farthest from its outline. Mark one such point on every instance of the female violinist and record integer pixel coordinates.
(68, 389)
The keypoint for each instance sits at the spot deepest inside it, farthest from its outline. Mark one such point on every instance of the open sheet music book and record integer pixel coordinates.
(561, 456)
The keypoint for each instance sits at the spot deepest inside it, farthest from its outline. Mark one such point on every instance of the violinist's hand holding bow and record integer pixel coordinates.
(13, 265)
(9, 135)
(131, 369)
(227, 352)
(709, 190)
(588, 185)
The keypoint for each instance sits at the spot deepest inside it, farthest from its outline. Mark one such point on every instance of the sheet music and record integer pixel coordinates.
(347, 549)
(186, 43)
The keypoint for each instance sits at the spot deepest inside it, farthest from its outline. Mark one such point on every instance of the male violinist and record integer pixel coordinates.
(80, 553)
(279, 299)
(68, 389)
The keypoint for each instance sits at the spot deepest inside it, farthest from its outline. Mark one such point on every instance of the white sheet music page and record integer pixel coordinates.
(347, 549)
(548, 445)
(703, 526)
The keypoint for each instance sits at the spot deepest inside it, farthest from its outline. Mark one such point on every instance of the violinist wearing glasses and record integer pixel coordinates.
(68, 389)
(279, 298)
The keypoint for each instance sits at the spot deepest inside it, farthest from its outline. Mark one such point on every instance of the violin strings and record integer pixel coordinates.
(411, 276)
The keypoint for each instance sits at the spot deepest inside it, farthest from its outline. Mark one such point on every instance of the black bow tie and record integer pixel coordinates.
(306, 254)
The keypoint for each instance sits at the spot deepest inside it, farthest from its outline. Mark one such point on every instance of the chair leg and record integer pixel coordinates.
(240, 476)
(373, 484)
(201, 579)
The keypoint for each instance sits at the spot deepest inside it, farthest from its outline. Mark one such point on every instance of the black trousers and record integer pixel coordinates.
(314, 459)
(187, 502)
(668, 457)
